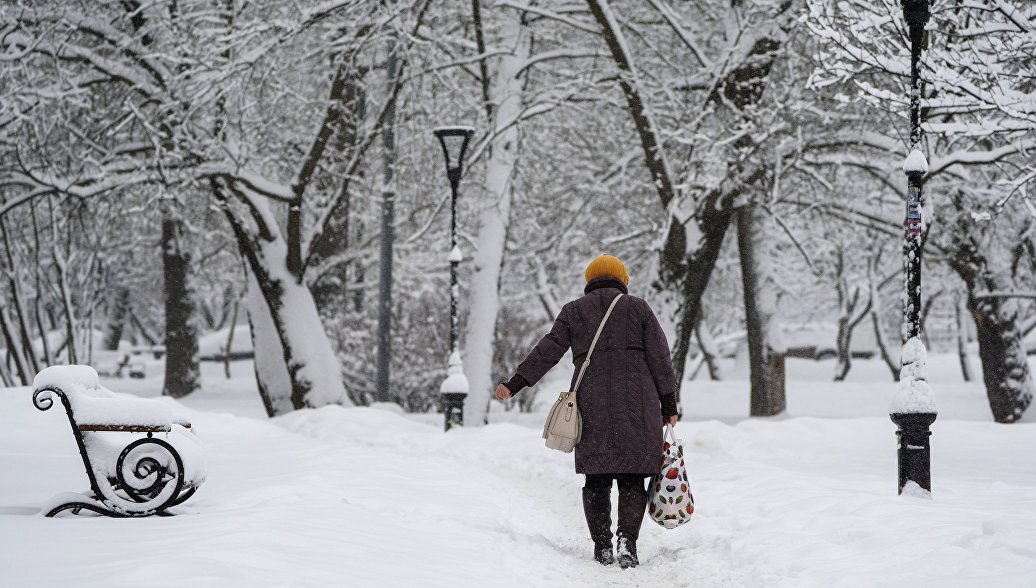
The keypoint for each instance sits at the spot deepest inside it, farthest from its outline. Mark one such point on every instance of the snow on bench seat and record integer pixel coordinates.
(128, 477)
(98, 409)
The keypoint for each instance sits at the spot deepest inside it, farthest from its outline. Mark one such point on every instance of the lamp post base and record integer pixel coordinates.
(453, 391)
(453, 410)
(915, 450)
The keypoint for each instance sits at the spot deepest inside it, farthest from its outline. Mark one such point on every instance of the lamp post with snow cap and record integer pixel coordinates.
(913, 406)
(454, 389)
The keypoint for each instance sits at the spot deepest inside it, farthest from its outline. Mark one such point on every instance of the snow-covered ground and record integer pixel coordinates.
(371, 497)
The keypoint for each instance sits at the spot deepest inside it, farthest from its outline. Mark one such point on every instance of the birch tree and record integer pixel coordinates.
(509, 36)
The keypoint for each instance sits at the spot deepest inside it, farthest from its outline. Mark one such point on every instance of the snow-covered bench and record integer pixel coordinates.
(130, 476)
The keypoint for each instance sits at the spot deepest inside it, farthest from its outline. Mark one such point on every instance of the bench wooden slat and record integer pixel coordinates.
(131, 428)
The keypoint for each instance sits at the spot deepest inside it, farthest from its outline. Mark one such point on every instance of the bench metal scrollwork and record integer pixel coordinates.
(147, 478)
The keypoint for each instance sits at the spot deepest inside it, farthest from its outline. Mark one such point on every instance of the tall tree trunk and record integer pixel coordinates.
(506, 92)
(700, 261)
(28, 349)
(287, 331)
(388, 203)
(14, 350)
(48, 358)
(765, 351)
(6, 378)
(117, 318)
(316, 375)
(1005, 367)
(271, 373)
(230, 341)
(19, 309)
(962, 339)
(66, 302)
(182, 373)
(89, 339)
(331, 287)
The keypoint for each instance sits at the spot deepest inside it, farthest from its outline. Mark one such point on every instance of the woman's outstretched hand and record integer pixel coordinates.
(502, 393)
(671, 421)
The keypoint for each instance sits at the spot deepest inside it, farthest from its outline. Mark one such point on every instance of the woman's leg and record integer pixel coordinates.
(633, 498)
(597, 505)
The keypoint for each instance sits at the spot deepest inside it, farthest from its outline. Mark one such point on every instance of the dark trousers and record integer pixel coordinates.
(597, 505)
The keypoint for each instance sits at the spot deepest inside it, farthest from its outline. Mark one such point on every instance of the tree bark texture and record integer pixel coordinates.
(117, 314)
(182, 375)
(387, 236)
(495, 214)
(6, 378)
(64, 289)
(14, 350)
(962, 340)
(1005, 367)
(329, 288)
(271, 373)
(287, 328)
(766, 355)
(27, 347)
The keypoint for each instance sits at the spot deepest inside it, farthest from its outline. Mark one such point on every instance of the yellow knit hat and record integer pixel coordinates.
(607, 265)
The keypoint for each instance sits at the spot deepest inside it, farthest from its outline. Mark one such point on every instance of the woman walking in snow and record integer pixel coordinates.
(626, 396)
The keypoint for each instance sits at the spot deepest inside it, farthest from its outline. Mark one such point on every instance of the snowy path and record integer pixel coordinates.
(367, 497)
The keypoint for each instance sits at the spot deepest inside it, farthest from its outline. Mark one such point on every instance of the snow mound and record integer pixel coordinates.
(915, 355)
(915, 162)
(67, 377)
(94, 404)
(912, 490)
(456, 382)
(358, 425)
(914, 394)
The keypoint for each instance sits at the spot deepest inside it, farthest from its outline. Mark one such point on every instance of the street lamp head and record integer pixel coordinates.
(454, 141)
(916, 12)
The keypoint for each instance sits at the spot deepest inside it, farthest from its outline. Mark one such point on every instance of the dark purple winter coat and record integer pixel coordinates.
(622, 392)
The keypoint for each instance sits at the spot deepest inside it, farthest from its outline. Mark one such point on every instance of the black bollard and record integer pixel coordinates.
(915, 450)
(453, 408)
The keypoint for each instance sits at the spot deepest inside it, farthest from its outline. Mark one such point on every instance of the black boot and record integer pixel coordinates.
(626, 547)
(633, 498)
(604, 555)
(597, 506)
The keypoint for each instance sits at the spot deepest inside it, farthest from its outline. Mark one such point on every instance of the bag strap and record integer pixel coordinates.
(593, 344)
(670, 435)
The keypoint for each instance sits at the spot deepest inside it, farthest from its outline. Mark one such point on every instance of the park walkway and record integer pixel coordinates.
(368, 497)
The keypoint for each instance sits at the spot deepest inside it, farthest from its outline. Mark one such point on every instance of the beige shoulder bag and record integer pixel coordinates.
(564, 426)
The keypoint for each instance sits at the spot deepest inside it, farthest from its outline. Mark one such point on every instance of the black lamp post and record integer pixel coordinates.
(913, 407)
(454, 389)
